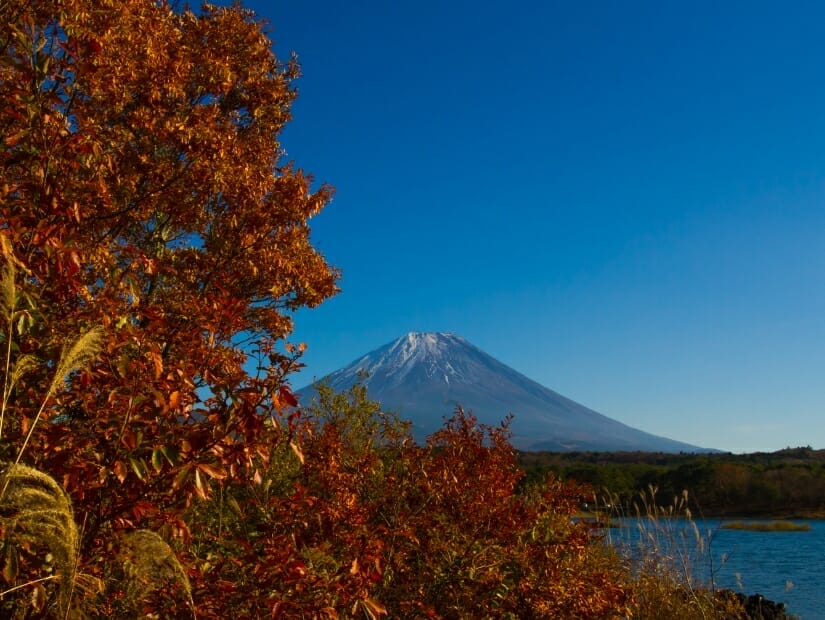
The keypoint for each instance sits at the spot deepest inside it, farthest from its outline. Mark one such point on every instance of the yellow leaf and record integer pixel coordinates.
(373, 608)
(200, 485)
(297, 451)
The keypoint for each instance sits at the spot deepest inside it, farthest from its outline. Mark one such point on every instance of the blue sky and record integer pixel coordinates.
(623, 201)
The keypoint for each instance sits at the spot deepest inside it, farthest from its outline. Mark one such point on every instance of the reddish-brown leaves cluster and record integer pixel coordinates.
(371, 523)
(141, 190)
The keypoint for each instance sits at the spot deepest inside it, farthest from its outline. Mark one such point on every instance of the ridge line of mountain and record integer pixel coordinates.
(425, 375)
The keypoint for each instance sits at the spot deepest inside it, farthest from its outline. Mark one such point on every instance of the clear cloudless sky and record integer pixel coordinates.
(624, 201)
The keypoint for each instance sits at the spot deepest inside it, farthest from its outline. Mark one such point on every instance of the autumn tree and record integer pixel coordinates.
(143, 191)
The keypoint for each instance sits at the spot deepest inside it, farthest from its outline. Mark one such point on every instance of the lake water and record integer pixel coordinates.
(786, 567)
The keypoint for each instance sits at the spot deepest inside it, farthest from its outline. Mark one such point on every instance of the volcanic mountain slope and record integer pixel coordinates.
(424, 376)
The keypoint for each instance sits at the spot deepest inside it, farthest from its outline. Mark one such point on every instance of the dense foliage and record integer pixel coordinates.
(142, 193)
(364, 522)
(786, 483)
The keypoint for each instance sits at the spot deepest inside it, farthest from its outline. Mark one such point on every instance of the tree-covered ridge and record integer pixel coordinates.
(786, 483)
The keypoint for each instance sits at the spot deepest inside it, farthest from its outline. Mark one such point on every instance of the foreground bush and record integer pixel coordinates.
(369, 524)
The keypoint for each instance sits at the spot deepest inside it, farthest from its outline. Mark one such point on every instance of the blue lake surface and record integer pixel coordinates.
(786, 567)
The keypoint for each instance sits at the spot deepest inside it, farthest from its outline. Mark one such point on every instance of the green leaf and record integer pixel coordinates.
(24, 323)
(171, 453)
(10, 563)
(139, 467)
(183, 474)
(157, 459)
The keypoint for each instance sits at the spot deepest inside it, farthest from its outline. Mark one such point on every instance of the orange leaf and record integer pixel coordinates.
(373, 608)
(15, 138)
(219, 473)
(129, 440)
(120, 470)
(158, 362)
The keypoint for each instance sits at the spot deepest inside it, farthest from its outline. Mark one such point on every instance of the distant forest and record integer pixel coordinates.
(788, 483)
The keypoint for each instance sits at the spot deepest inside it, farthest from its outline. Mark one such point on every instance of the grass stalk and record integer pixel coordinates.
(663, 560)
(79, 353)
(8, 307)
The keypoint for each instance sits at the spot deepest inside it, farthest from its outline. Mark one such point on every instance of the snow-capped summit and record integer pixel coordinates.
(417, 356)
(425, 375)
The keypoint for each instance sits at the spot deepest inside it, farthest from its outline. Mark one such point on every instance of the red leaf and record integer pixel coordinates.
(287, 396)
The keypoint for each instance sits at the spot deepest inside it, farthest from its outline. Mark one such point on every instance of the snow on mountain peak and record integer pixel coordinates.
(424, 343)
(427, 349)
(432, 353)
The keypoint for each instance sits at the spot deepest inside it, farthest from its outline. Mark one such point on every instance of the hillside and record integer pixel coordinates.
(424, 376)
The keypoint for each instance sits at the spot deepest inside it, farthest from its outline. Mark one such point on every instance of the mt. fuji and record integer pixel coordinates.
(424, 376)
